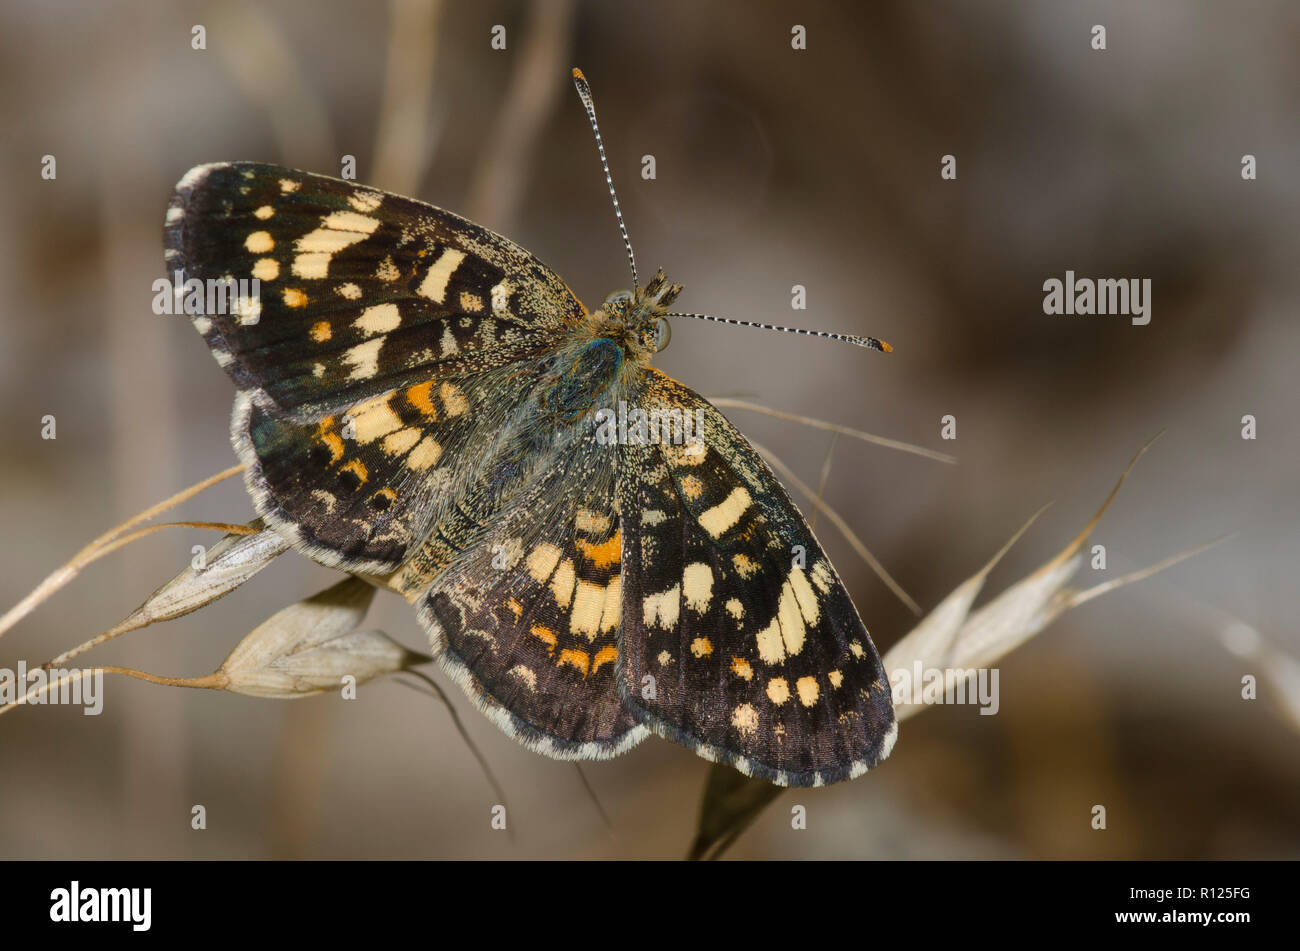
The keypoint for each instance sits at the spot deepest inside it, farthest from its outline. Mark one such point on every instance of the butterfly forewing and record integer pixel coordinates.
(359, 291)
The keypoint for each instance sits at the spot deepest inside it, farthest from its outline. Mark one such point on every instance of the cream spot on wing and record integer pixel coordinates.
(664, 658)
(320, 331)
(379, 319)
(293, 297)
(500, 294)
(697, 586)
(542, 561)
(400, 442)
(613, 612)
(526, 675)
(735, 608)
(338, 230)
(804, 594)
(822, 577)
(259, 242)
(266, 211)
(591, 523)
(374, 418)
(808, 690)
(745, 566)
(784, 636)
(741, 668)
(202, 325)
(434, 285)
(726, 513)
(778, 691)
(266, 269)
(453, 401)
(348, 291)
(318, 370)
(248, 310)
(426, 454)
(470, 302)
(365, 201)
(745, 719)
(350, 221)
(364, 359)
(562, 583)
(690, 454)
(288, 186)
(661, 609)
(836, 678)
(448, 342)
(588, 608)
(701, 647)
(652, 517)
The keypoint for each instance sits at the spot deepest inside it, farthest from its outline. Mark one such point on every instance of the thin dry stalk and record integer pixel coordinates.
(725, 401)
(109, 542)
(849, 535)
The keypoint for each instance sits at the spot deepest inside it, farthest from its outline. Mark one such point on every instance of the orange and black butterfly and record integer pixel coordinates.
(595, 551)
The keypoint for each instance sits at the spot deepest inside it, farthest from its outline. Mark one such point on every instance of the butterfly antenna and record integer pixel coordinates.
(871, 343)
(584, 92)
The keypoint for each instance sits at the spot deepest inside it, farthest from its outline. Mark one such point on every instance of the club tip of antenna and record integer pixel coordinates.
(577, 75)
(884, 347)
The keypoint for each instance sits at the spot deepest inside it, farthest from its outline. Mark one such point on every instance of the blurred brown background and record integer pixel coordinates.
(775, 167)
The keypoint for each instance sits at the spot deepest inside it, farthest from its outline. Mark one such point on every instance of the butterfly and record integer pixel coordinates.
(595, 552)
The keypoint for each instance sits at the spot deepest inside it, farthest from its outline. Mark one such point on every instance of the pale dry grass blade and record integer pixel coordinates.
(505, 168)
(110, 541)
(310, 646)
(405, 141)
(263, 64)
(842, 526)
(931, 641)
(227, 565)
(823, 478)
(729, 402)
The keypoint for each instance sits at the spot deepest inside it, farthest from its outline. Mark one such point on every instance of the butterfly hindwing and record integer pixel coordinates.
(360, 487)
(739, 639)
(526, 615)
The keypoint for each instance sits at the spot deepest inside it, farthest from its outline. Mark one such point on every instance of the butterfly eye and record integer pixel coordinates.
(663, 333)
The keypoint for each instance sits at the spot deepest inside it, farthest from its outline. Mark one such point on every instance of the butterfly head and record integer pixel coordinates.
(636, 318)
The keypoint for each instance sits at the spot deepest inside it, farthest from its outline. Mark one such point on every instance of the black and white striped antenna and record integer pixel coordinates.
(871, 343)
(584, 92)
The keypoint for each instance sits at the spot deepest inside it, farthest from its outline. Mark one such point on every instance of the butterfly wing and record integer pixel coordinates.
(356, 350)
(738, 638)
(526, 605)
